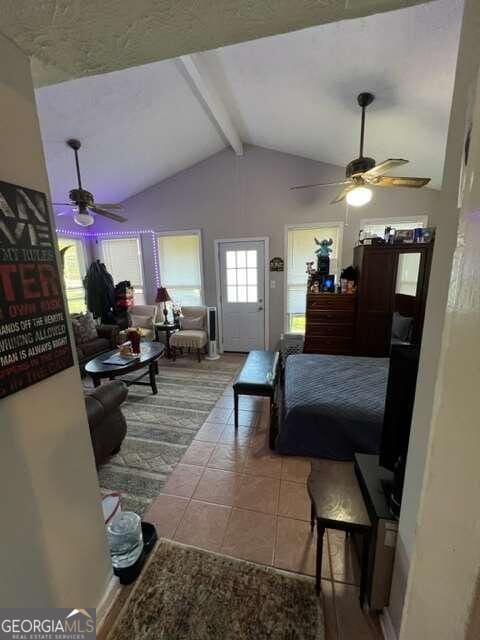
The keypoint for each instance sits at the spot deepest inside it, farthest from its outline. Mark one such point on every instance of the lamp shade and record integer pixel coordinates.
(162, 295)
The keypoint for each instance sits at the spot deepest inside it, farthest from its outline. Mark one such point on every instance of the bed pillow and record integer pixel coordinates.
(402, 327)
(84, 327)
(192, 324)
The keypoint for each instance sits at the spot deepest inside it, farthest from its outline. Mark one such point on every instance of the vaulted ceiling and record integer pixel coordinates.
(293, 92)
(74, 38)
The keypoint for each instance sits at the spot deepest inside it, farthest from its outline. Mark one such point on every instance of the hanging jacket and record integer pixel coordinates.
(100, 292)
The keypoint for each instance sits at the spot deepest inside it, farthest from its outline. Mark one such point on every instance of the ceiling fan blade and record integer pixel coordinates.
(321, 184)
(105, 205)
(383, 167)
(107, 214)
(394, 181)
(343, 193)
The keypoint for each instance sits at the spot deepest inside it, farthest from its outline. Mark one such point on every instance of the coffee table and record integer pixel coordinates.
(150, 352)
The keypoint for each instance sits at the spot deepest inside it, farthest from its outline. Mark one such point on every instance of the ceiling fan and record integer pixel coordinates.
(363, 171)
(83, 202)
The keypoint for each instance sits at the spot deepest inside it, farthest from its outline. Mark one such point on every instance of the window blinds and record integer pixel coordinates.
(301, 249)
(180, 267)
(122, 257)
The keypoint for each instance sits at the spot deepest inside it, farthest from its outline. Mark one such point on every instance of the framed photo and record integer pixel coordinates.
(405, 236)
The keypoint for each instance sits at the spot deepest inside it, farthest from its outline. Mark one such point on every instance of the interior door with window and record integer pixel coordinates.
(242, 281)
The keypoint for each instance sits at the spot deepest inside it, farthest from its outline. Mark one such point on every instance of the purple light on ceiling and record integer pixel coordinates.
(118, 234)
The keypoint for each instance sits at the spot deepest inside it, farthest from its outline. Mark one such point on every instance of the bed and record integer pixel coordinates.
(331, 406)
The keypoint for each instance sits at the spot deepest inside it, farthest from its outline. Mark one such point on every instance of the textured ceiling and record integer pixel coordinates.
(75, 38)
(293, 92)
(296, 92)
(137, 127)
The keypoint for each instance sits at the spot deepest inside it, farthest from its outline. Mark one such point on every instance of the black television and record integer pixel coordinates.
(400, 398)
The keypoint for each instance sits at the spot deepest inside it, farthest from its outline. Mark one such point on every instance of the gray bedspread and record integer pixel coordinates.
(332, 406)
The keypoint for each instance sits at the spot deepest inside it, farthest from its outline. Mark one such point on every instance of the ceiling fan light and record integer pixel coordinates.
(359, 196)
(83, 219)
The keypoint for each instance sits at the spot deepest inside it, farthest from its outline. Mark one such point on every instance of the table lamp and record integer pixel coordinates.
(162, 296)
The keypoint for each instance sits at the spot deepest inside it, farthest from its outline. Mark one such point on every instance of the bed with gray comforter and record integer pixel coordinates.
(332, 406)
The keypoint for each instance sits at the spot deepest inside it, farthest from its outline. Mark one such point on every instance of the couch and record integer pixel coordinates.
(91, 339)
(192, 333)
(107, 423)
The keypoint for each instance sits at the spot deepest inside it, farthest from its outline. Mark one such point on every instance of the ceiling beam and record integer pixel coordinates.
(199, 76)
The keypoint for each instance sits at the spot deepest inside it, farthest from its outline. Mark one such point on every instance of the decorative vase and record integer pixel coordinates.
(134, 337)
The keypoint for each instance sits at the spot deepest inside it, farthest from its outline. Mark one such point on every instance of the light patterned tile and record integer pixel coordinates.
(198, 453)
(294, 501)
(203, 525)
(229, 457)
(258, 494)
(183, 480)
(250, 535)
(218, 486)
(165, 513)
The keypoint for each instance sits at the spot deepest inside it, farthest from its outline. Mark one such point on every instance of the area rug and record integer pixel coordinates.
(161, 427)
(187, 593)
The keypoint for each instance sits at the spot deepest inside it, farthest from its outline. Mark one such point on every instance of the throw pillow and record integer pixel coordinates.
(195, 324)
(84, 327)
(401, 327)
(144, 322)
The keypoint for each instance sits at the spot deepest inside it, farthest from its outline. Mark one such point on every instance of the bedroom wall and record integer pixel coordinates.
(443, 594)
(233, 197)
(422, 440)
(53, 550)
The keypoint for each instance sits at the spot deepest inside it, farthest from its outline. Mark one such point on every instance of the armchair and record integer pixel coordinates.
(145, 317)
(192, 333)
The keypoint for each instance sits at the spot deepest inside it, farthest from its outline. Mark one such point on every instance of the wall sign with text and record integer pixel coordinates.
(34, 340)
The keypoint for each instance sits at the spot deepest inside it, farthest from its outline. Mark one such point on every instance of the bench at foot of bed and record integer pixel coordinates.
(258, 377)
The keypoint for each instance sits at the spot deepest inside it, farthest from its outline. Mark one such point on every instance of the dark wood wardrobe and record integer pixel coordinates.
(391, 278)
(392, 284)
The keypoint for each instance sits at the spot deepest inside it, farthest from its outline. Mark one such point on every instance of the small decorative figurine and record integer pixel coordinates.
(323, 255)
(324, 249)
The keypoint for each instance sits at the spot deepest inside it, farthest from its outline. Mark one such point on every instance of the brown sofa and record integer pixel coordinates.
(107, 423)
(106, 340)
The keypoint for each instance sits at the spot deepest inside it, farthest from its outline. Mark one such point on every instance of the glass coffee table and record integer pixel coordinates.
(150, 352)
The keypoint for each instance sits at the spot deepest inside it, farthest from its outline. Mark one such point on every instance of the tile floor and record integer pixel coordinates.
(231, 494)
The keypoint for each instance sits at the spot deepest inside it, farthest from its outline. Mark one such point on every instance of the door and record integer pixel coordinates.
(242, 283)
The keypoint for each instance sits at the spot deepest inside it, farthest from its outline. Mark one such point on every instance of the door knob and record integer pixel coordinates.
(260, 308)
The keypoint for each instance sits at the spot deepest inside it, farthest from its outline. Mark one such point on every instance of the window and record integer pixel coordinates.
(242, 276)
(73, 273)
(300, 250)
(180, 266)
(376, 226)
(123, 259)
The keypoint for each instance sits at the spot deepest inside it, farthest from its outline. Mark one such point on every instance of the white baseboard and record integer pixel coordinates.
(386, 623)
(111, 592)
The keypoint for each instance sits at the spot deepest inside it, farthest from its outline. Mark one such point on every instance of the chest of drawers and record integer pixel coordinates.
(330, 325)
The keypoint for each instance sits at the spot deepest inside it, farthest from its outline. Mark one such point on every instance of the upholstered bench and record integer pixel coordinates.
(258, 377)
